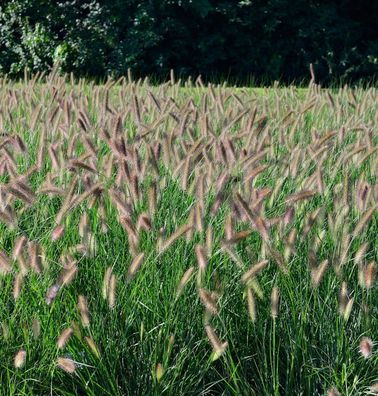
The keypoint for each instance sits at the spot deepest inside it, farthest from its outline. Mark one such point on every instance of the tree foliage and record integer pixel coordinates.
(268, 40)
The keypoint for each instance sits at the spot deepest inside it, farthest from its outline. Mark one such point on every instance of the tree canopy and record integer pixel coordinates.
(268, 40)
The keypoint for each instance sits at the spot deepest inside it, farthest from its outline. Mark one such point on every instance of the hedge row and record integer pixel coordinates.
(269, 40)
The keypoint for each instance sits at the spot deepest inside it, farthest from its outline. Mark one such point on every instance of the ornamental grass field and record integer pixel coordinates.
(187, 239)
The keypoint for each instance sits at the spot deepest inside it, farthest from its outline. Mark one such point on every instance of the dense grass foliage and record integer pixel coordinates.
(187, 240)
(238, 39)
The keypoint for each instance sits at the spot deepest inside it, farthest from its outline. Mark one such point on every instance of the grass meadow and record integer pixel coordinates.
(187, 239)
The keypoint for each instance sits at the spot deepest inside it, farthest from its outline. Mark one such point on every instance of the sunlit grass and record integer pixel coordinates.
(151, 342)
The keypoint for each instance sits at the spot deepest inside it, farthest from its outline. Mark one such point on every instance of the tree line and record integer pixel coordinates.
(233, 39)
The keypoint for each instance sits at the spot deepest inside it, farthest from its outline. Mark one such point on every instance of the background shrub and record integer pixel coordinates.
(268, 40)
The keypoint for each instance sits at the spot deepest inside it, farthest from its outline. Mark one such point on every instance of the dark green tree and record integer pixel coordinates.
(269, 40)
